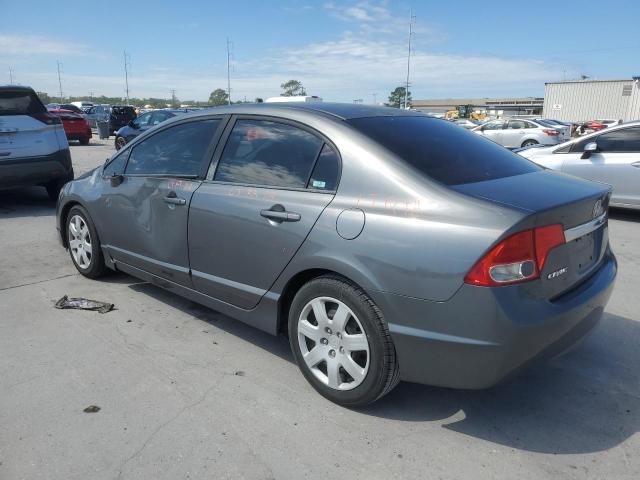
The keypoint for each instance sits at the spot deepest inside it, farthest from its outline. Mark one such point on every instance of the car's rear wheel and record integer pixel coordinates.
(341, 342)
(529, 143)
(83, 242)
(84, 141)
(120, 142)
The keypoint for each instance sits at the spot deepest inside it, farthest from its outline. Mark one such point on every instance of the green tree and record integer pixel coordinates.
(396, 98)
(219, 97)
(292, 88)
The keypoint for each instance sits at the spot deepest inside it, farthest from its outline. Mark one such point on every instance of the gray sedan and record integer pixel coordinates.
(388, 245)
(611, 156)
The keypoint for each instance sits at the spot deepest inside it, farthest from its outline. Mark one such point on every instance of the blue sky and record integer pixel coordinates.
(340, 50)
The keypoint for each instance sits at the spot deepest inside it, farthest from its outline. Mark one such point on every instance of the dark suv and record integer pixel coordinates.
(120, 116)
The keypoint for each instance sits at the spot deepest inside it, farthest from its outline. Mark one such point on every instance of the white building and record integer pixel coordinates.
(577, 101)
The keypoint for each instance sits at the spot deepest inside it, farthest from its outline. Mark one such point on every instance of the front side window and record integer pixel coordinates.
(264, 152)
(159, 117)
(143, 120)
(517, 124)
(623, 140)
(179, 150)
(116, 166)
(493, 126)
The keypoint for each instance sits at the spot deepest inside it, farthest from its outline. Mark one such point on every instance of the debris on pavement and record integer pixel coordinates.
(92, 409)
(84, 304)
(239, 373)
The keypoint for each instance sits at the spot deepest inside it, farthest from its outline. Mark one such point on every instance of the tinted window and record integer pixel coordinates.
(20, 102)
(262, 152)
(442, 151)
(325, 173)
(117, 165)
(517, 124)
(493, 126)
(179, 150)
(143, 120)
(159, 117)
(624, 140)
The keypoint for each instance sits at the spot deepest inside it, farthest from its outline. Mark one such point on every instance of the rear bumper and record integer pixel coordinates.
(483, 335)
(19, 172)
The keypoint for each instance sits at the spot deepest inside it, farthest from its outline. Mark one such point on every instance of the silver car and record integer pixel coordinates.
(388, 245)
(517, 132)
(611, 156)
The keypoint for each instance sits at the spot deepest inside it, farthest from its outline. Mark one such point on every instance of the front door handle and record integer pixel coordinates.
(173, 199)
(277, 213)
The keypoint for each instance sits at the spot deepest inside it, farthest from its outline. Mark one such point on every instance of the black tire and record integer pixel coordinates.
(96, 267)
(529, 143)
(383, 373)
(53, 189)
(120, 142)
(84, 141)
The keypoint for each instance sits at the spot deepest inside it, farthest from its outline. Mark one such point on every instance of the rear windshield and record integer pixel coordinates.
(443, 151)
(20, 102)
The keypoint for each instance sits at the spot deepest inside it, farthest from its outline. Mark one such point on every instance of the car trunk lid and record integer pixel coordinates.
(549, 198)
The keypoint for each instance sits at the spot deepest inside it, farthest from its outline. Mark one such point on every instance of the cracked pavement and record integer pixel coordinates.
(163, 372)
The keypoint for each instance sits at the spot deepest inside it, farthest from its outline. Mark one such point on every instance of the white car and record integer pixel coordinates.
(33, 146)
(467, 123)
(517, 132)
(609, 156)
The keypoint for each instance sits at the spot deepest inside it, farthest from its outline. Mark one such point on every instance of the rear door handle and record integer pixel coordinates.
(173, 199)
(280, 214)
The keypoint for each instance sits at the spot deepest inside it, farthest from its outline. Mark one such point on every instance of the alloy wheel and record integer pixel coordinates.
(333, 343)
(80, 241)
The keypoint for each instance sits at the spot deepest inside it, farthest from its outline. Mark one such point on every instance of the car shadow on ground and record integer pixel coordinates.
(26, 202)
(585, 401)
(624, 214)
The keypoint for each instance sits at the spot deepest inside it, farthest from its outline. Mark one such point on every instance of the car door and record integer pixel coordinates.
(616, 162)
(513, 133)
(268, 185)
(493, 131)
(145, 199)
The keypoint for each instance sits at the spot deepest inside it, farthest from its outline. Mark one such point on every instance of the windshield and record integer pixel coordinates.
(20, 102)
(443, 151)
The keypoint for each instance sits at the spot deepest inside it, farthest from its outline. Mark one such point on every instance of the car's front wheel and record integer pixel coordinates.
(120, 142)
(341, 342)
(529, 143)
(83, 242)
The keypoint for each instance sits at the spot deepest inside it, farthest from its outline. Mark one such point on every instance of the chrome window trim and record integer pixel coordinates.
(584, 229)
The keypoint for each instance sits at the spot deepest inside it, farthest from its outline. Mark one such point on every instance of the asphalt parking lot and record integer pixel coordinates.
(185, 392)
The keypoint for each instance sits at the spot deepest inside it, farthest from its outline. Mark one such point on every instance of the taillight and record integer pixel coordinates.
(551, 132)
(518, 258)
(48, 118)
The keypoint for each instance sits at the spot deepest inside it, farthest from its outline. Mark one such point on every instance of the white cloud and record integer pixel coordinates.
(34, 45)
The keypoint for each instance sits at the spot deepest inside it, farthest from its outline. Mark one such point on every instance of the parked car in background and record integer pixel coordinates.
(97, 113)
(611, 156)
(66, 106)
(467, 123)
(82, 105)
(75, 126)
(120, 116)
(143, 123)
(516, 133)
(33, 146)
(557, 122)
(264, 212)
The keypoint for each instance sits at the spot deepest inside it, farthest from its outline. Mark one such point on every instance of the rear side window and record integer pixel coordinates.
(179, 150)
(623, 140)
(20, 102)
(442, 151)
(263, 152)
(325, 173)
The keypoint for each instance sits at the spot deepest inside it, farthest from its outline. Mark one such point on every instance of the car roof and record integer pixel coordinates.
(23, 88)
(344, 111)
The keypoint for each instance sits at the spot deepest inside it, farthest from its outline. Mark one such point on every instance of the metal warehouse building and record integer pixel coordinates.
(592, 99)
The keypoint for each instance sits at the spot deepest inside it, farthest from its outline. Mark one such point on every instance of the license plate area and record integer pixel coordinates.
(583, 251)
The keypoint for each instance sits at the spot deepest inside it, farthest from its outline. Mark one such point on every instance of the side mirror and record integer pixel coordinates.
(116, 179)
(132, 124)
(589, 148)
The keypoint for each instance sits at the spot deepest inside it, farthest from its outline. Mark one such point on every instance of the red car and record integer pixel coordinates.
(75, 126)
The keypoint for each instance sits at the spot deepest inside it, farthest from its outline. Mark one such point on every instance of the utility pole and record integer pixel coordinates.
(228, 71)
(173, 97)
(91, 97)
(126, 76)
(10, 76)
(406, 91)
(60, 81)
